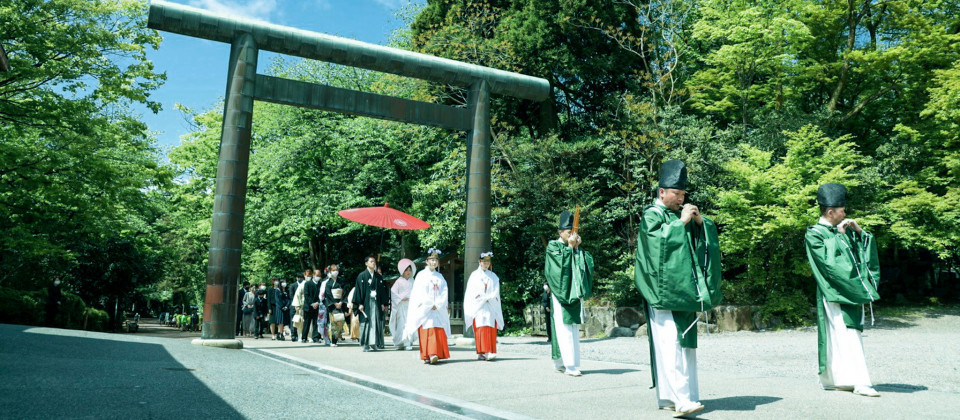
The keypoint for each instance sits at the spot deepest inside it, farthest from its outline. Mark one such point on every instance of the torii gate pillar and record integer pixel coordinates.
(226, 230)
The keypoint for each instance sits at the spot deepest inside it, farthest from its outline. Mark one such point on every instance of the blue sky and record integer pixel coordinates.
(196, 69)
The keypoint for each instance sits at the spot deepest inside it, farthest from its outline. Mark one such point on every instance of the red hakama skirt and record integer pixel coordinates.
(486, 339)
(433, 341)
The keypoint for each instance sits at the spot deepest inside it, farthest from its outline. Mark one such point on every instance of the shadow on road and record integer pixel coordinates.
(900, 388)
(609, 371)
(890, 324)
(48, 375)
(741, 403)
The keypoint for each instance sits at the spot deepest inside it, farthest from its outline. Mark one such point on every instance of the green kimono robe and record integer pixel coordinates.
(678, 267)
(569, 274)
(847, 271)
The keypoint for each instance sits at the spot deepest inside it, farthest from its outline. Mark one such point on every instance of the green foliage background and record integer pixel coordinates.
(763, 100)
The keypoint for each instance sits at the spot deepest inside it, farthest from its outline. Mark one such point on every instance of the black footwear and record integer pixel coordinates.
(366, 349)
(303, 341)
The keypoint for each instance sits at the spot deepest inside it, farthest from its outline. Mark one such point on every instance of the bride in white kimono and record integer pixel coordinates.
(400, 292)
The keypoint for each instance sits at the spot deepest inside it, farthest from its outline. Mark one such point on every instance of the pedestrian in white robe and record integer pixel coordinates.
(482, 309)
(400, 294)
(428, 318)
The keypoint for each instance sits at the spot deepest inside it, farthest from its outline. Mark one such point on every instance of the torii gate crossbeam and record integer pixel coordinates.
(244, 85)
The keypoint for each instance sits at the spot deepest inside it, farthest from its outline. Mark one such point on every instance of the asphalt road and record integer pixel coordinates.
(54, 374)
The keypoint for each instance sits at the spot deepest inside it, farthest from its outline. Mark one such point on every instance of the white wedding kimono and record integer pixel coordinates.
(482, 300)
(429, 290)
(399, 312)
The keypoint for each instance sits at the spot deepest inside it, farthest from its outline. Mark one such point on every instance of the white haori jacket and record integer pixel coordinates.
(429, 290)
(482, 300)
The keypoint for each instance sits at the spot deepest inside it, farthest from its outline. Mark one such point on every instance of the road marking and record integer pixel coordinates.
(435, 402)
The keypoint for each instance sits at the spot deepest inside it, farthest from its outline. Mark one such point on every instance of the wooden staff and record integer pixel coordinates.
(576, 220)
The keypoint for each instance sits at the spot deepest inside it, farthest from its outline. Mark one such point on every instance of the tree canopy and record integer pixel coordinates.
(763, 100)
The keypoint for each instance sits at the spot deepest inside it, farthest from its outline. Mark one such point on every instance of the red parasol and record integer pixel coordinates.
(384, 217)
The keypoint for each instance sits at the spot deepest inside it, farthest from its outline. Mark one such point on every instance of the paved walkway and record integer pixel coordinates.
(526, 385)
(157, 373)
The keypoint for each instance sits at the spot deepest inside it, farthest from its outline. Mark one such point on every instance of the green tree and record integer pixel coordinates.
(764, 213)
(925, 206)
(79, 175)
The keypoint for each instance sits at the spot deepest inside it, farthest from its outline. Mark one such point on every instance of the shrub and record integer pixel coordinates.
(97, 320)
(19, 307)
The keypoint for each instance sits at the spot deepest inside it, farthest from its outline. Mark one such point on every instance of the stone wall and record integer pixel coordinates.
(611, 321)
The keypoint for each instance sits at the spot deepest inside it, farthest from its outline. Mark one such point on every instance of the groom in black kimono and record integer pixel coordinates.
(371, 299)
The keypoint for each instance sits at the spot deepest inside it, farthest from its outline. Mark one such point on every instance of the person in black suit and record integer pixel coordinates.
(261, 312)
(54, 301)
(545, 301)
(371, 299)
(240, 293)
(311, 308)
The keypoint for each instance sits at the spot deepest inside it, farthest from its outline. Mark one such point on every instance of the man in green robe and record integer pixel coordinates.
(678, 273)
(843, 259)
(569, 272)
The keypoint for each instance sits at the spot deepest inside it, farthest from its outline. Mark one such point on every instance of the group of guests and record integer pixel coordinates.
(277, 308)
(677, 270)
(182, 321)
(317, 308)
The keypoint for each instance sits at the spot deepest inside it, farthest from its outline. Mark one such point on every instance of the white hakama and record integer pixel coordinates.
(568, 337)
(846, 365)
(676, 366)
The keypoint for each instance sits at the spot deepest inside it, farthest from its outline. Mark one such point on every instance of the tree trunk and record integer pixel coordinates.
(313, 254)
(853, 19)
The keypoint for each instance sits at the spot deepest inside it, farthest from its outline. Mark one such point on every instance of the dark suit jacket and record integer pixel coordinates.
(272, 296)
(311, 295)
(366, 284)
(292, 289)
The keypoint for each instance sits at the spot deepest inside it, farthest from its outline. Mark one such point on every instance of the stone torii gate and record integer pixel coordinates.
(244, 85)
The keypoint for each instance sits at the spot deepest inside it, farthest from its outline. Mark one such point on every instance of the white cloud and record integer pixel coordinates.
(390, 4)
(254, 9)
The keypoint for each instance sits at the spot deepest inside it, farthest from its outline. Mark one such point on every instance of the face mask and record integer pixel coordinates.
(56, 283)
(263, 287)
(284, 284)
(545, 288)
(334, 273)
